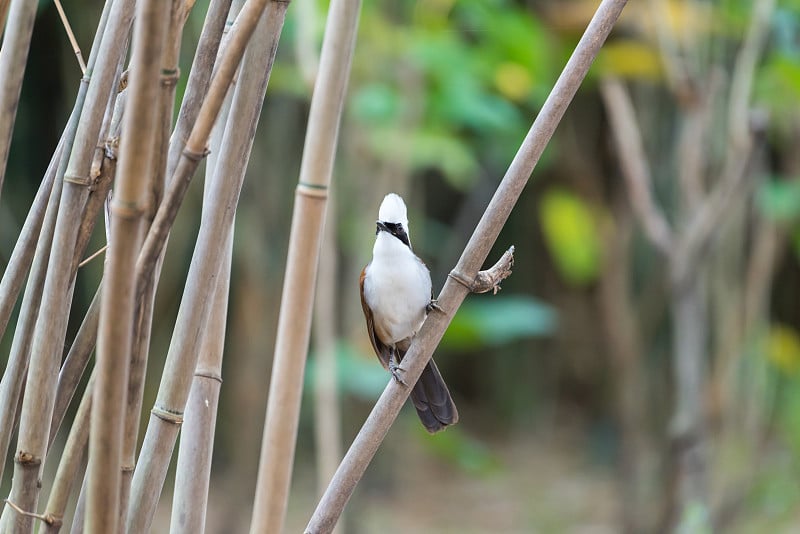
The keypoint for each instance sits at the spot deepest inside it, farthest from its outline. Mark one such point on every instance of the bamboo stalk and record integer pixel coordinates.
(327, 414)
(16, 44)
(22, 255)
(192, 475)
(453, 293)
(51, 323)
(75, 364)
(190, 500)
(181, 359)
(145, 302)
(19, 355)
(294, 319)
(117, 299)
(69, 466)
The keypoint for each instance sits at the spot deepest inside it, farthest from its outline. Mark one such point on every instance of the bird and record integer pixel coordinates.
(396, 296)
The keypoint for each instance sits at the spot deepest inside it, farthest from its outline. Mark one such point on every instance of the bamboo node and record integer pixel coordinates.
(78, 180)
(209, 374)
(195, 156)
(488, 280)
(127, 468)
(169, 77)
(312, 190)
(27, 458)
(123, 82)
(126, 210)
(50, 519)
(176, 418)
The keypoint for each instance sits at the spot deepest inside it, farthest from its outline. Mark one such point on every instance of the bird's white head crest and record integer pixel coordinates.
(393, 210)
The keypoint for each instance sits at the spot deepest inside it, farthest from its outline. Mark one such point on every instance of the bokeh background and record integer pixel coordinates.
(564, 380)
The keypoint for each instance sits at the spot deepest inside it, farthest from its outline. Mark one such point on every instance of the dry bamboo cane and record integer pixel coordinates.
(3, 13)
(70, 464)
(11, 386)
(117, 299)
(17, 366)
(51, 323)
(193, 471)
(455, 290)
(181, 360)
(16, 43)
(22, 255)
(294, 320)
(145, 301)
(327, 413)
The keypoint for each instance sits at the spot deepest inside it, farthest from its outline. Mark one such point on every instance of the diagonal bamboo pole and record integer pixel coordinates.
(13, 59)
(117, 299)
(453, 293)
(22, 255)
(192, 475)
(167, 414)
(294, 320)
(51, 323)
(70, 465)
(17, 366)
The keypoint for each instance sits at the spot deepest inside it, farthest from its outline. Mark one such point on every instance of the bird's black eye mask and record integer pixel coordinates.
(395, 229)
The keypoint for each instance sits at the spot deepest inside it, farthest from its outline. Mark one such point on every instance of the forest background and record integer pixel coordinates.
(574, 413)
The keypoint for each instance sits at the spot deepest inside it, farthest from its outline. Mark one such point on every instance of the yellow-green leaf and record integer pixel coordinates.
(572, 235)
(783, 349)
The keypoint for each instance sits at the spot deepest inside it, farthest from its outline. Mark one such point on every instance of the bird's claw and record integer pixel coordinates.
(395, 369)
(433, 305)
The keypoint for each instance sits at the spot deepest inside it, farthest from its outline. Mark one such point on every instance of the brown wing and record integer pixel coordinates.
(380, 349)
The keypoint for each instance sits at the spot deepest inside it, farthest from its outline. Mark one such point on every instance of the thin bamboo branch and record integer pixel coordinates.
(181, 360)
(117, 300)
(633, 161)
(297, 299)
(388, 406)
(51, 323)
(70, 35)
(16, 43)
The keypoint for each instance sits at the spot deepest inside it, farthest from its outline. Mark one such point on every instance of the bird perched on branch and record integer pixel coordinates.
(396, 298)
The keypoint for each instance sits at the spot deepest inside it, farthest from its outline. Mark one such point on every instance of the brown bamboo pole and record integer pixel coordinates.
(19, 355)
(193, 471)
(16, 44)
(51, 323)
(117, 299)
(181, 360)
(327, 412)
(3, 14)
(294, 319)
(145, 301)
(453, 293)
(199, 78)
(70, 464)
(11, 385)
(22, 255)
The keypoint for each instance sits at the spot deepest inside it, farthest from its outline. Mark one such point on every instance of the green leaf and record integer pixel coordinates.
(498, 320)
(779, 199)
(357, 374)
(470, 454)
(571, 234)
(376, 103)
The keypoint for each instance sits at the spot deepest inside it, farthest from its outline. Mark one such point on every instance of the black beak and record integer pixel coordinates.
(395, 229)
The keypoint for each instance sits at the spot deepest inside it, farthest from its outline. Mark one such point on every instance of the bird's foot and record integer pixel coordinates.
(433, 305)
(395, 369)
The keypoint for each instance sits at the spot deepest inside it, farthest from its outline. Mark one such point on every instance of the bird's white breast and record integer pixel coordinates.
(397, 288)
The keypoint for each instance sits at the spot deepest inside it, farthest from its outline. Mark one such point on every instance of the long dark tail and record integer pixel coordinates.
(432, 400)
